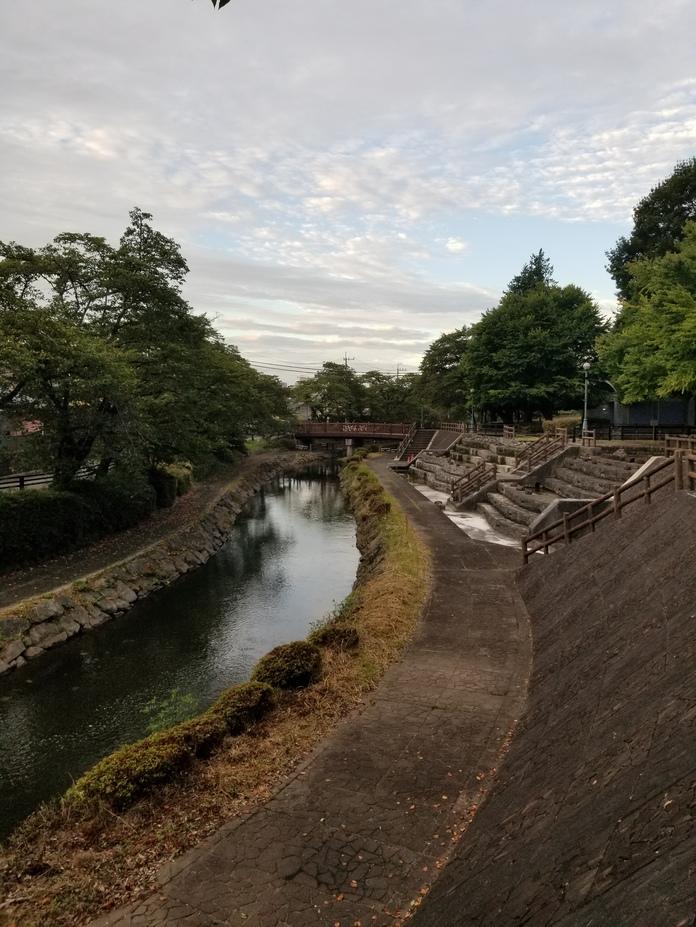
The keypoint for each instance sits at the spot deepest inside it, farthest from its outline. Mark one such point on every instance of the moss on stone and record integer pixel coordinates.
(290, 666)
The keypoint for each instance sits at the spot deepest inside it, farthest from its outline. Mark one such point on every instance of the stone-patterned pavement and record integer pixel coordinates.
(363, 827)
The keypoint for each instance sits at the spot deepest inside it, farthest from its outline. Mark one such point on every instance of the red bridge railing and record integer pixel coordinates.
(385, 429)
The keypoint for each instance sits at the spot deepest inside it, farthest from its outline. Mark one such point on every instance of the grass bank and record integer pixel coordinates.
(75, 859)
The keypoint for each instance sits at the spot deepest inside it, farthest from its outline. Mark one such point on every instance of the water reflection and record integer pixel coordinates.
(291, 557)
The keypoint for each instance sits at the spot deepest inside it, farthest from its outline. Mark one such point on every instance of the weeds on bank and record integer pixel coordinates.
(69, 863)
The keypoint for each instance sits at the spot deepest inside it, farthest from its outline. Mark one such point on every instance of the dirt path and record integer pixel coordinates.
(363, 827)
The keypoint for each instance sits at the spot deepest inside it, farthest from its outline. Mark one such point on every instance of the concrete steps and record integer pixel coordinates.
(529, 499)
(500, 523)
(567, 490)
(511, 510)
(595, 485)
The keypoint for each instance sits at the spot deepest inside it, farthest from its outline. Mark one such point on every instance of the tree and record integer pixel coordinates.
(389, 398)
(538, 271)
(99, 345)
(335, 393)
(443, 383)
(524, 356)
(652, 348)
(658, 224)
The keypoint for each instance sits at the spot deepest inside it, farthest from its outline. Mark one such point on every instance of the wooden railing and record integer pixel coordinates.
(589, 438)
(674, 443)
(509, 432)
(546, 447)
(473, 480)
(611, 503)
(690, 458)
(406, 441)
(21, 481)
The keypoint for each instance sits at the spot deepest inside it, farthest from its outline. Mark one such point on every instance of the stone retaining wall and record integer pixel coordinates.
(29, 628)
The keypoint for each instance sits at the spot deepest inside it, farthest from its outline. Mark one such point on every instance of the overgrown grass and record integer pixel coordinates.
(70, 861)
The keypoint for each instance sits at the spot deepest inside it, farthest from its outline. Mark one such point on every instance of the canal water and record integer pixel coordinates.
(290, 559)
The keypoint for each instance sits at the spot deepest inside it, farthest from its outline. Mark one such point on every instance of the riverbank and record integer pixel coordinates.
(55, 602)
(66, 863)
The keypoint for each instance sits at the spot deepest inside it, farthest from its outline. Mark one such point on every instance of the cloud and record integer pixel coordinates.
(322, 163)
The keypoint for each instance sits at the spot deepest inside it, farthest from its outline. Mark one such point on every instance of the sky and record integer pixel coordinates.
(346, 179)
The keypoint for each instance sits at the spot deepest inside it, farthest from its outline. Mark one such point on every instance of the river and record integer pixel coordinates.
(291, 557)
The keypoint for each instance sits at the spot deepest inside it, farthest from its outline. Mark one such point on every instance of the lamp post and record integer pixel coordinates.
(586, 368)
(471, 402)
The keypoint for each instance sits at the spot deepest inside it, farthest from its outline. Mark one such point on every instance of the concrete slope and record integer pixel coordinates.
(591, 822)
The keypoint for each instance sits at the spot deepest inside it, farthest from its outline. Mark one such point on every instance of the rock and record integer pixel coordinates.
(4, 667)
(54, 639)
(125, 592)
(20, 661)
(44, 611)
(112, 605)
(32, 652)
(12, 650)
(13, 627)
(41, 633)
(79, 614)
(69, 625)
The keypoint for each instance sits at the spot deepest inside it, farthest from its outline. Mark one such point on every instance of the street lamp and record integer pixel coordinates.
(471, 398)
(586, 368)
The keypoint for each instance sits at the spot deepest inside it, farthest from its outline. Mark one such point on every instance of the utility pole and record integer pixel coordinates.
(346, 359)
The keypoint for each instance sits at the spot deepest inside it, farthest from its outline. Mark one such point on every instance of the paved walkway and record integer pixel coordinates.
(363, 827)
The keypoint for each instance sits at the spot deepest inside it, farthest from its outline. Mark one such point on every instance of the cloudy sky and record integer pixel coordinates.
(345, 178)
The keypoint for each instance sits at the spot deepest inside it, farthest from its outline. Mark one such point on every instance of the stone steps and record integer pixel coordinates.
(536, 502)
(602, 467)
(510, 510)
(567, 490)
(594, 485)
(499, 523)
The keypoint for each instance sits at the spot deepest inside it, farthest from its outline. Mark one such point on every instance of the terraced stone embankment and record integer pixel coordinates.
(30, 627)
(592, 820)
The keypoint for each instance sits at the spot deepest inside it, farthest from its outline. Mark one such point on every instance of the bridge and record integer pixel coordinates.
(376, 430)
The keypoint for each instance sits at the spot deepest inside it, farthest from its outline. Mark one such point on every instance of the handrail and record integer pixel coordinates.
(589, 437)
(509, 432)
(674, 443)
(34, 480)
(452, 426)
(612, 503)
(406, 441)
(473, 480)
(543, 449)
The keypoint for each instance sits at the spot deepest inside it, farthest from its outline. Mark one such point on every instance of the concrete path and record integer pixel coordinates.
(362, 829)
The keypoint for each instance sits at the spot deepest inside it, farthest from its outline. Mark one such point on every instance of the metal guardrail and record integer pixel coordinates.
(401, 449)
(19, 481)
(611, 503)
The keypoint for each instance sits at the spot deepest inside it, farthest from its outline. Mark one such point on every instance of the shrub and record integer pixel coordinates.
(139, 768)
(122, 499)
(339, 637)
(183, 472)
(290, 666)
(242, 705)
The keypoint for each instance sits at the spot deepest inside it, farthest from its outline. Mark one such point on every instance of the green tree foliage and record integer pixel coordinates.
(652, 349)
(335, 393)
(98, 343)
(658, 224)
(525, 356)
(389, 398)
(443, 382)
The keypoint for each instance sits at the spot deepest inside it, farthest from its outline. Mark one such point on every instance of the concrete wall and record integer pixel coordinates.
(592, 820)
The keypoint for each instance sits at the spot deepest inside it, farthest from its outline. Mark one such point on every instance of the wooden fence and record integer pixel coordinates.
(474, 480)
(611, 504)
(20, 481)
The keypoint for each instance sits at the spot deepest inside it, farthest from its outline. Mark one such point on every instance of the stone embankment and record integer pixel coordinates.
(29, 628)
(591, 821)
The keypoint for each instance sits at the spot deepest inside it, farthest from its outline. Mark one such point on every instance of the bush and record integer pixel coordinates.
(36, 524)
(139, 768)
(290, 666)
(336, 636)
(183, 472)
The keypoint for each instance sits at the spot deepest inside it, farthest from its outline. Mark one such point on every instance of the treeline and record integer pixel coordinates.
(99, 347)
(525, 357)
